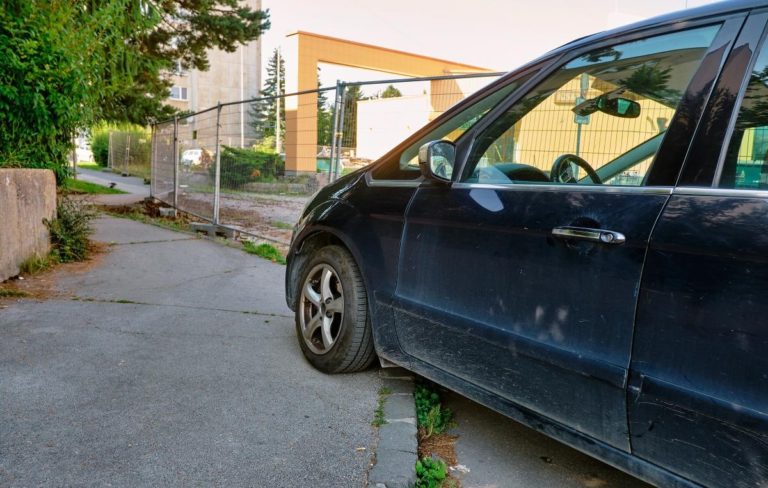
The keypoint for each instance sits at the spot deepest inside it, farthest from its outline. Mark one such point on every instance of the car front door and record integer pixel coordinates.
(522, 276)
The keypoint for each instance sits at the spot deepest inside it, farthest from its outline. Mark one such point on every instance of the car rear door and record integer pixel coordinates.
(526, 287)
(698, 392)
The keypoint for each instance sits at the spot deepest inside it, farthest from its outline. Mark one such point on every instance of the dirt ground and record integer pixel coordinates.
(270, 216)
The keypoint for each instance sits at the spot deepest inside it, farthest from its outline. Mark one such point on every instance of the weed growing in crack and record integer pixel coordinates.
(430, 473)
(432, 417)
(378, 415)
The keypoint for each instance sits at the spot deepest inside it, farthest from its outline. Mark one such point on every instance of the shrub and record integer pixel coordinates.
(242, 166)
(70, 230)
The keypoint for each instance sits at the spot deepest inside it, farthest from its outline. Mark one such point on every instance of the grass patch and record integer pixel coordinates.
(281, 225)
(90, 165)
(80, 186)
(378, 414)
(266, 251)
(37, 264)
(6, 293)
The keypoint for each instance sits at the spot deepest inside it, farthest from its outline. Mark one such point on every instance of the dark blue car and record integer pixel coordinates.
(582, 246)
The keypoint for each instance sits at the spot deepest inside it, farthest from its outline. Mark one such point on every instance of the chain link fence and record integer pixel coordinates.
(251, 165)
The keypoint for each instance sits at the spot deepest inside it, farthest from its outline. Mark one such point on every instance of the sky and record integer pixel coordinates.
(495, 34)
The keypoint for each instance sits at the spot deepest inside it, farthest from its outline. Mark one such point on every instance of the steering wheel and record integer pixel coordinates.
(561, 170)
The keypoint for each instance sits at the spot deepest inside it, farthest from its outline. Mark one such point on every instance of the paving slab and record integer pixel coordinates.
(177, 365)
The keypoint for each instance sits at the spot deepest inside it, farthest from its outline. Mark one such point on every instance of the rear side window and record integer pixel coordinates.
(746, 160)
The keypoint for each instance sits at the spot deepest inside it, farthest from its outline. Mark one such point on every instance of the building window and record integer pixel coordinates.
(179, 70)
(179, 93)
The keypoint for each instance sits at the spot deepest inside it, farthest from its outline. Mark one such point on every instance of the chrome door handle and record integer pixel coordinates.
(588, 234)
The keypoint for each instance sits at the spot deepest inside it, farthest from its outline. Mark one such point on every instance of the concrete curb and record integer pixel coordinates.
(396, 453)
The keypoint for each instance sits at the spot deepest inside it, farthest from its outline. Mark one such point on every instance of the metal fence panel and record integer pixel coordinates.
(163, 162)
(322, 134)
(130, 153)
(196, 153)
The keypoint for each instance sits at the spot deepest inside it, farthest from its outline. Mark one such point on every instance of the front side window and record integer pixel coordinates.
(406, 165)
(746, 160)
(599, 119)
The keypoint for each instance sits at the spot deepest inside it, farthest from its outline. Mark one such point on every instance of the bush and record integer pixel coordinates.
(242, 166)
(70, 230)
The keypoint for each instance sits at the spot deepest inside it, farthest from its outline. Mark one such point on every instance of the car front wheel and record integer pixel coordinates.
(332, 322)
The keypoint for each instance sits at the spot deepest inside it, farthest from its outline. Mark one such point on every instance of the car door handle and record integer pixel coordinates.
(588, 234)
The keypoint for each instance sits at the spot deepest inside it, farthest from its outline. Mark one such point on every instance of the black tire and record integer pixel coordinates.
(352, 349)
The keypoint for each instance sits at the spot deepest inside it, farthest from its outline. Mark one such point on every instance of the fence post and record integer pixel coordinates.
(175, 162)
(338, 131)
(126, 163)
(217, 180)
(109, 151)
(152, 161)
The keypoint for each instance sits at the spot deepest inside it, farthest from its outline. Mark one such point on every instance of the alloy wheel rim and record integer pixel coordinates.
(321, 309)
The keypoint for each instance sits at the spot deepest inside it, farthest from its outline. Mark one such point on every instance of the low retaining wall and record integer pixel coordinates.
(27, 196)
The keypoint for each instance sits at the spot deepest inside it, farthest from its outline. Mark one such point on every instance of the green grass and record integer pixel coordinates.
(36, 264)
(89, 165)
(266, 251)
(281, 225)
(6, 293)
(80, 186)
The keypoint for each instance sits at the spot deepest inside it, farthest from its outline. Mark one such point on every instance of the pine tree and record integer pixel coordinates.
(352, 95)
(263, 111)
(324, 117)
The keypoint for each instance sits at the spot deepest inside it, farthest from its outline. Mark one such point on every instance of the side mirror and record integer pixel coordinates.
(436, 160)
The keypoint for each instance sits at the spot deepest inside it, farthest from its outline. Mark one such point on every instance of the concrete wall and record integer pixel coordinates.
(27, 196)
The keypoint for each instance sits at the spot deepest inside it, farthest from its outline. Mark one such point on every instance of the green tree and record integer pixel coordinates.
(65, 64)
(263, 112)
(391, 92)
(166, 33)
(352, 95)
(324, 117)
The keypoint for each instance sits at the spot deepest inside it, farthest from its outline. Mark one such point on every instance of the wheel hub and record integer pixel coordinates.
(321, 308)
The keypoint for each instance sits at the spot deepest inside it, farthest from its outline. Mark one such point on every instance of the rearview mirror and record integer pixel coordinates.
(436, 160)
(610, 103)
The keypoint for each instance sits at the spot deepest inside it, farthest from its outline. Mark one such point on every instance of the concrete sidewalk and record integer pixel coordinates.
(173, 362)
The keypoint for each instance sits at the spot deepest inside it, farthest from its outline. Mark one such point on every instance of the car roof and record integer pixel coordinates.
(711, 10)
